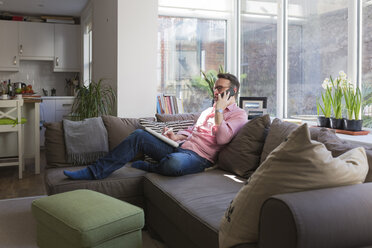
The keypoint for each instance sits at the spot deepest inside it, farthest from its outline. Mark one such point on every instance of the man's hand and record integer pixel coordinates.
(224, 101)
(221, 104)
(169, 134)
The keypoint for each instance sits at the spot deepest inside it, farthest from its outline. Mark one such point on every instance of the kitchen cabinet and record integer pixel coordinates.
(36, 41)
(66, 48)
(9, 60)
(54, 109)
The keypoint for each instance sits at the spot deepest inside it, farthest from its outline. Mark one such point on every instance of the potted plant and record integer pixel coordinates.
(326, 108)
(337, 94)
(353, 102)
(94, 100)
(210, 78)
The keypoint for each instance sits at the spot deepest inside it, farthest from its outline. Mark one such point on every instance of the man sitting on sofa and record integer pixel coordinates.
(199, 144)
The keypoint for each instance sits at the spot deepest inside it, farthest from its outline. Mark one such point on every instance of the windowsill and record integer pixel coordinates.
(364, 140)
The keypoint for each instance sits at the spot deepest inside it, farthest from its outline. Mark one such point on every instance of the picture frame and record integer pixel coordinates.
(253, 106)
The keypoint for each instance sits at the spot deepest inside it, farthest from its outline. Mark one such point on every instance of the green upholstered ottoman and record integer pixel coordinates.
(85, 218)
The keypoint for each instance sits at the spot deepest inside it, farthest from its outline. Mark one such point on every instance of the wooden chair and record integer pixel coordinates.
(11, 121)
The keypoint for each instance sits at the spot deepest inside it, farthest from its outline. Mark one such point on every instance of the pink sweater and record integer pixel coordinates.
(207, 139)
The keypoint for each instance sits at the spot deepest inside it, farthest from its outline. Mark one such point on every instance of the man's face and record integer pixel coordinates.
(221, 85)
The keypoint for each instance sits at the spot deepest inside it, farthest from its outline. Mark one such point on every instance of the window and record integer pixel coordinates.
(188, 45)
(259, 51)
(192, 36)
(367, 64)
(87, 44)
(317, 48)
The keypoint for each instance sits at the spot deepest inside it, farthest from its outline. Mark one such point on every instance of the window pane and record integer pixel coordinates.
(367, 64)
(217, 5)
(186, 46)
(259, 51)
(317, 48)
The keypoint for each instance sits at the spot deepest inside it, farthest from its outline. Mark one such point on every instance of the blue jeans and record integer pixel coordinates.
(172, 161)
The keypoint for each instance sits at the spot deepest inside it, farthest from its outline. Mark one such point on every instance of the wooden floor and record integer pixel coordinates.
(30, 185)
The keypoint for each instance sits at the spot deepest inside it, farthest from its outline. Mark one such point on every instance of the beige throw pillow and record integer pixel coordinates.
(298, 164)
(242, 155)
(338, 146)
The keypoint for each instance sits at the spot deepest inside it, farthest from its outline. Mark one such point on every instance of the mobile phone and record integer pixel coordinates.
(231, 90)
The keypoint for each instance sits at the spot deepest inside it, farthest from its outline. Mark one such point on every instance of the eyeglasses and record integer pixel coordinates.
(220, 88)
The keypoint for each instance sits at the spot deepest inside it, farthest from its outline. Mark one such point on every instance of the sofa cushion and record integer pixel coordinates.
(194, 204)
(55, 149)
(177, 117)
(242, 155)
(119, 128)
(338, 146)
(82, 147)
(299, 164)
(159, 126)
(279, 131)
(125, 184)
(315, 132)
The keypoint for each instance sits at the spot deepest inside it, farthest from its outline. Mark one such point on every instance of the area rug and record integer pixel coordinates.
(17, 226)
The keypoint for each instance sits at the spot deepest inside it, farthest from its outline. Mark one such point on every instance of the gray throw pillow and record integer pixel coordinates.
(242, 155)
(278, 132)
(55, 150)
(81, 146)
(119, 128)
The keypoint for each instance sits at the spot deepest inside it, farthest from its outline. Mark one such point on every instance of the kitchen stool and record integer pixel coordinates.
(11, 121)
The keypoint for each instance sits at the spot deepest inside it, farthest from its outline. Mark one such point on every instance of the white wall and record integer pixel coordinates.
(104, 31)
(137, 53)
(40, 75)
(125, 51)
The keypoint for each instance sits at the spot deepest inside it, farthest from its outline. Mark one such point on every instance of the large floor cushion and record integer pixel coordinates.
(84, 218)
(125, 184)
(186, 211)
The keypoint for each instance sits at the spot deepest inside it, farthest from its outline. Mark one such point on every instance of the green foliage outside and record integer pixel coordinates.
(207, 80)
(367, 101)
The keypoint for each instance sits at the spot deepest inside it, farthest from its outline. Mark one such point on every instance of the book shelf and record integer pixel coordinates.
(168, 104)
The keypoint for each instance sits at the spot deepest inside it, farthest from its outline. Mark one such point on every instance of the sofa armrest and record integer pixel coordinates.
(335, 217)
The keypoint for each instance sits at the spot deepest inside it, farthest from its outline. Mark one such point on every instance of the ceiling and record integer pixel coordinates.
(44, 7)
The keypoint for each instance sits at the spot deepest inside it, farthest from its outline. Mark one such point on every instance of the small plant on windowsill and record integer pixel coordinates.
(336, 96)
(94, 100)
(326, 108)
(353, 101)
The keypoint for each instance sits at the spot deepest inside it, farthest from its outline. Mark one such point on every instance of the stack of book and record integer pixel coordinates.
(168, 104)
(59, 19)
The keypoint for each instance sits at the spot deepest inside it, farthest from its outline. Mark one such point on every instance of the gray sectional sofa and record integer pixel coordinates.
(186, 211)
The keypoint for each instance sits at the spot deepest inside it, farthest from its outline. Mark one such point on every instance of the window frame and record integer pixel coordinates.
(354, 50)
(231, 42)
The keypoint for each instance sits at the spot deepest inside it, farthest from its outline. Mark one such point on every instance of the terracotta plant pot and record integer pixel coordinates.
(324, 121)
(353, 125)
(337, 123)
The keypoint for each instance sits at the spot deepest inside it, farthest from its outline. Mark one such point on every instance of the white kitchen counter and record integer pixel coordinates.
(54, 109)
(57, 97)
